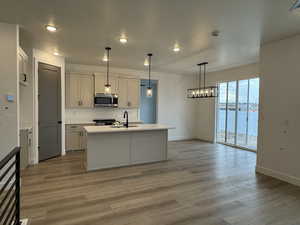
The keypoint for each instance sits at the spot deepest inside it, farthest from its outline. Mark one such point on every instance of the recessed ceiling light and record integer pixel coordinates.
(123, 39)
(176, 48)
(51, 28)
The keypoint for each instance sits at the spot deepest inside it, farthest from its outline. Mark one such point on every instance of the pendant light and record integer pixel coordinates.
(149, 91)
(107, 86)
(205, 91)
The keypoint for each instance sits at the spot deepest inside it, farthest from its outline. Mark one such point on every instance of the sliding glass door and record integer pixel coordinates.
(237, 113)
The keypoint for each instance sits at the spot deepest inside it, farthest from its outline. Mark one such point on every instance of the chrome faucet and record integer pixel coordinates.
(126, 116)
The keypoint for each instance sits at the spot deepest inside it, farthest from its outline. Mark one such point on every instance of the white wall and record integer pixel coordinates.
(206, 107)
(74, 116)
(39, 56)
(26, 97)
(9, 118)
(173, 107)
(278, 146)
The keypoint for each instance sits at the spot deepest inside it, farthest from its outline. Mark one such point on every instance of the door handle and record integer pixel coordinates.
(59, 122)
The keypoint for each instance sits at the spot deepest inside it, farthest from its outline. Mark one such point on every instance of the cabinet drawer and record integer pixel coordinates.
(73, 128)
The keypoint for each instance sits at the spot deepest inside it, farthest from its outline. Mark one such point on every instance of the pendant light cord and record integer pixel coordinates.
(149, 82)
(107, 65)
(204, 74)
(199, 76)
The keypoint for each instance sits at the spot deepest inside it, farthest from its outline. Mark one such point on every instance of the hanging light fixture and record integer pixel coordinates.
(205, 91)
(107, 86)
(149, 91)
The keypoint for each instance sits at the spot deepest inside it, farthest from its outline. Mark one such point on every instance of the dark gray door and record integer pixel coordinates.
(49, 79)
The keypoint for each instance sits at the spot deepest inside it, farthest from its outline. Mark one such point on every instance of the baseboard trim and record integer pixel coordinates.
(203, 140)
(278, 175)
(178, 138)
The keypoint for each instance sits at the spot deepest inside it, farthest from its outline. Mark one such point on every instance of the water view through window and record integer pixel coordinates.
(237, 113)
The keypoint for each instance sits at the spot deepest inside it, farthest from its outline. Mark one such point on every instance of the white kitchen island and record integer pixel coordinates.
(109, 147)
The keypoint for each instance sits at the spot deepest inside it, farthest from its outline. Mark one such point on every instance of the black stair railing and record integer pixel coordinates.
(10, 188)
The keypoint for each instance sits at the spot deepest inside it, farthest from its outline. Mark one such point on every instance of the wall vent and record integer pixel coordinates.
(296, 5)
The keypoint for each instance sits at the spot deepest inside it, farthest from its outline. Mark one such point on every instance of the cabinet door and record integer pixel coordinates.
(72, 91)
(87, 91)
(99, 83)
(114, 84)
(73, 140)
(133, 93)
(150, 146)
(122, 93)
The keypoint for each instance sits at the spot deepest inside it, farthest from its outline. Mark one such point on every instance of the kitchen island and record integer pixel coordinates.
(109, 147)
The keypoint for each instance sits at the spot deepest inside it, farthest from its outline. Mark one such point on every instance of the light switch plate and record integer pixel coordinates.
(10, 98)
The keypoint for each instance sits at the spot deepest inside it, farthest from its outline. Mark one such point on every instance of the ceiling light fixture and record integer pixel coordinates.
(51, 28)
(205, 91)
(176, 48)
(107, 86)
(123, 39)
(146, 62)
(56, 53)
(149, 91)
(105, 58)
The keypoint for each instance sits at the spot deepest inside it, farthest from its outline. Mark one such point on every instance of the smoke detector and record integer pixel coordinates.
(216, 33)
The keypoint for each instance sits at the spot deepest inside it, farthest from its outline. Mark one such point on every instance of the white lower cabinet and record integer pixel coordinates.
(75, 138)
(148, 147)
(109, 150)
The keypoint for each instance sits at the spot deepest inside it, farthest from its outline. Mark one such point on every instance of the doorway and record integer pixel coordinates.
(148, 108)
(237, 113)
(49, 111)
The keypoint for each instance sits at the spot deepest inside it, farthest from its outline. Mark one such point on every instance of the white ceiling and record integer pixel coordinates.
(86, 27)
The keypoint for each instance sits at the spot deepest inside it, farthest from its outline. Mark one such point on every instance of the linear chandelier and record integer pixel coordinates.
(205, 91)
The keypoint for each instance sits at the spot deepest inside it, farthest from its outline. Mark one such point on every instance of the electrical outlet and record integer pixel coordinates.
(3, 108)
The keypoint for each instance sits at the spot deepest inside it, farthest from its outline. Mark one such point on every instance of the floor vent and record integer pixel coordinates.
(296, 5)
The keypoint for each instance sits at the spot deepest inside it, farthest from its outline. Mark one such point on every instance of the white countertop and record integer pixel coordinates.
(79, 122)
(92, 122)
(139, 127)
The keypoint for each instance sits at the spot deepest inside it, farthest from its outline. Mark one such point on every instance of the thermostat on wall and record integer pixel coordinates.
(10, 98)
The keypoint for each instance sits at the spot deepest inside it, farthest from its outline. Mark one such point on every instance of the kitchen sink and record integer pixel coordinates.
(129, 126)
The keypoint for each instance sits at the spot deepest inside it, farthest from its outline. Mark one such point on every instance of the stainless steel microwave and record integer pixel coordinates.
(106, 100)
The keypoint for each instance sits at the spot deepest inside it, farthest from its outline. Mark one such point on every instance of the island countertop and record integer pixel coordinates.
(139, 127)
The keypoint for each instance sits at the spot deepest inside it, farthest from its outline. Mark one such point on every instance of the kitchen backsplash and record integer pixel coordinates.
(87, 115)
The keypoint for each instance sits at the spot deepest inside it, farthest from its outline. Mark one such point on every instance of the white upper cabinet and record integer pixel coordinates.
(129, 93)
(100, 81)
(79, 91)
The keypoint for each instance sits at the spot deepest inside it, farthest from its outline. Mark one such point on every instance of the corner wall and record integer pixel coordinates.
(278, 144)
(9, 85)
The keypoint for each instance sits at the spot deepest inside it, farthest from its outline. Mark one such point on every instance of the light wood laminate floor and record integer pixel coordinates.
(201, 183)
